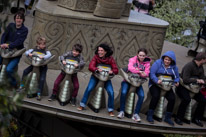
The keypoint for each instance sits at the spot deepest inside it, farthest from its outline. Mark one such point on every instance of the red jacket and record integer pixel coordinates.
(97, 60)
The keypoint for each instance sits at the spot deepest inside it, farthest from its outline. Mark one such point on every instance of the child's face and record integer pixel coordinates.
(75, 53)
(42, 45)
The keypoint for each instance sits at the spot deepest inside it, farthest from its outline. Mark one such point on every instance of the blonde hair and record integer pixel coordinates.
(40, 40)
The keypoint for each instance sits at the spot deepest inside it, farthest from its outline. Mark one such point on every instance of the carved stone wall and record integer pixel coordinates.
(125, 38)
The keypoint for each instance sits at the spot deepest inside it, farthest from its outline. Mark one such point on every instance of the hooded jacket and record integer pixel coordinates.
(158, 67)
(107, 60)
(135, 66)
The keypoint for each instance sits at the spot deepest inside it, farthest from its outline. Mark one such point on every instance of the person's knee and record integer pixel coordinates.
(9, 70)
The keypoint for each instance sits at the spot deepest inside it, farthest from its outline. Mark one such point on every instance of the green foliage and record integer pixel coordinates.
(182, 15)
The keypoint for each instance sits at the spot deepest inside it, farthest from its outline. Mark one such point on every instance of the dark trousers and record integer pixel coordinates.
(199, 111)
(59, 80)
(43, 71)
(184, 95)
(155, 93)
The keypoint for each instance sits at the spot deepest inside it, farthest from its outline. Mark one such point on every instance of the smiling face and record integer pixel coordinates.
(101, 52)
(42, 45)
(75, 52)
(141, 56)
(167, 61)
(18, 21)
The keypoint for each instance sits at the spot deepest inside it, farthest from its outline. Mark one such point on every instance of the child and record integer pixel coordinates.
(41, 47)
(75, 53)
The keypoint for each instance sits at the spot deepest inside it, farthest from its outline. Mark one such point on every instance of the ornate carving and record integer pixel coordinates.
(125, 39)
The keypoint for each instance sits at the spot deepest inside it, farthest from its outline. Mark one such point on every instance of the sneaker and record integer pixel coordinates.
(73, 101)
(80, 108)
(38, 97)
(120, 115)
(52, 97)
(136, 118)
(111, 114)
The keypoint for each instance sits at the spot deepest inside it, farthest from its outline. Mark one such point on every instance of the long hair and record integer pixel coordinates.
(106, 48)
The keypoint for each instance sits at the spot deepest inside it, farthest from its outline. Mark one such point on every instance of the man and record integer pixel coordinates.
(192, 72)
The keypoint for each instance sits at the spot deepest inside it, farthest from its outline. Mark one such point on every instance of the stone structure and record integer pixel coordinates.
(63, 28)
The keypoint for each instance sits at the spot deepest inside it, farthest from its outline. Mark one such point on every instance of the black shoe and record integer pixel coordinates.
(186, 121)
(53, 97)
(197, 122)
(73, 101)
(178, 121)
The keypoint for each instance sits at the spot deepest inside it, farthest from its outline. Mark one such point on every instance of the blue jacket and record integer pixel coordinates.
(15, 37)
(158, 67)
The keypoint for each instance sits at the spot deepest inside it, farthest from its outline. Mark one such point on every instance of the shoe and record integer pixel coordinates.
(21, 88)
(120, 115)
(150, 116)
(38, 97)
(52, 97)
(136, 118)
(197, 122)
(111, 114)
(186, 121)
(178, 121)
(73, 101)
(168, 118)
(80, 108)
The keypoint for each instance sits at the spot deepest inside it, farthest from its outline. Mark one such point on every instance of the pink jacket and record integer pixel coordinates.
(135, 66)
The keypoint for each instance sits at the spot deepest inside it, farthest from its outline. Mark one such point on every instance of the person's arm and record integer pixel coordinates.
(146, 71)
(177, 79)
(69, 53)
(48, 55)
(187, 74)
(81, 62)
(20, 39)
(114, 66)
(131, 67)
(153, 71)
(28, 52)
(93, 65)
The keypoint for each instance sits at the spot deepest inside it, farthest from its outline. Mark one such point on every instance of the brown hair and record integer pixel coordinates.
(142, 50)
(77, 47)
(40, 40)
(20, 14)
(200, 56)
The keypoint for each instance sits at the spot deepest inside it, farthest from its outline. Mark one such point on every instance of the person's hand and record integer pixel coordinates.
(4, 46)
(159, 81)
(64, 62)
(30, 54)
(76, 65)
(177, 84)
(200, 81)
(142, 73)
(41, 57)
(100, 70)
(110, 72)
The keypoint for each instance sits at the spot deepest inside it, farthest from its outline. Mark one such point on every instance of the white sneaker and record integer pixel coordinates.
(136, 118)
(120, 115)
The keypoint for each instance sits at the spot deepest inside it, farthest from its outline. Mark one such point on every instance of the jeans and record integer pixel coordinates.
(43, 71)
(124, 90)
(13, 63)
(108, 86)
(74, 81)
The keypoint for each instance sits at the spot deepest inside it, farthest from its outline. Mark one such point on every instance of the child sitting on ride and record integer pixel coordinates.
(103, 55)
(166, 65)
(139, 64)
(76, 54)
(41, 49)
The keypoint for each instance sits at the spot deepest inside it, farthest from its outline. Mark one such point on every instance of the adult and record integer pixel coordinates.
(166, 65)
(103, 55)
(192, 72)
(13, 38)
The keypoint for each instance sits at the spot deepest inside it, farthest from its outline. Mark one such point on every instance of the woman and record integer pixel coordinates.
(103, 55)
(139, 64)
(166, 65)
